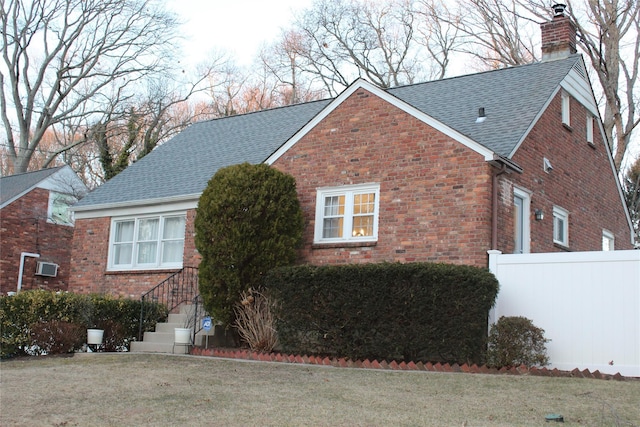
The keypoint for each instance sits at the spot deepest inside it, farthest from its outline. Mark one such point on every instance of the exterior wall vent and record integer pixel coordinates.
(46, 269)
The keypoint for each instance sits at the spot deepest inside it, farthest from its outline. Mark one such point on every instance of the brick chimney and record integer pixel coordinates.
(558, 35)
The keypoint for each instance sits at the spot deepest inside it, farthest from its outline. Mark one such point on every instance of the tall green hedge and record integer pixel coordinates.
(414, 311)
(119, 317)
(248, 221)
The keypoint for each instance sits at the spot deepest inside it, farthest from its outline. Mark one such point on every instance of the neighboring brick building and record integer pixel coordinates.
(36, 228)
(440, 171)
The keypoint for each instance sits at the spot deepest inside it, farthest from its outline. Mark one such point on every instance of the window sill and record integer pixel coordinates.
(561, 246)
(146, 271)
(331, 245)
(591, 144)
(567, 127)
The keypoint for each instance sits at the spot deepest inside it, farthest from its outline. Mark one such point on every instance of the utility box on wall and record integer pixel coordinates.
(48, 269)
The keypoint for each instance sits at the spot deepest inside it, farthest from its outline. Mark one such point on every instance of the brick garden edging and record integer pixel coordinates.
(244, 354)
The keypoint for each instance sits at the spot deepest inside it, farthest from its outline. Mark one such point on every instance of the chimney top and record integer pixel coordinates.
(558, 35)
(558, 9)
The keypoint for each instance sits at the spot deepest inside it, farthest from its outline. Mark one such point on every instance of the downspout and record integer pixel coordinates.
(494, 208)
(23, 255)
(501, 165)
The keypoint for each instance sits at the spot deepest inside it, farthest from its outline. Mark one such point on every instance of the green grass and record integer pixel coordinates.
(163, 390)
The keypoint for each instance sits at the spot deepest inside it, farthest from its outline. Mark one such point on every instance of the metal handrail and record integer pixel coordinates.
(179, 288)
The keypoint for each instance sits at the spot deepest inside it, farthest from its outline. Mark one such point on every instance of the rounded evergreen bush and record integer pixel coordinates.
(515, 341)
(248, 221)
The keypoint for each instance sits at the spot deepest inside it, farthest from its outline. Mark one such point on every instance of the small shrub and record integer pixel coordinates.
(515, 341)
(255, 322)
(56, 337)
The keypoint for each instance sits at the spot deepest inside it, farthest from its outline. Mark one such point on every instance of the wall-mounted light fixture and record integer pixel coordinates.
(539, 214)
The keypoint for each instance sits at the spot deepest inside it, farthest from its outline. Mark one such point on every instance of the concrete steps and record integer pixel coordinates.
(162, 339)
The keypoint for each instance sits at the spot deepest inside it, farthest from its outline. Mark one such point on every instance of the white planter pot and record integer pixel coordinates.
(182, 336)
(94, 336)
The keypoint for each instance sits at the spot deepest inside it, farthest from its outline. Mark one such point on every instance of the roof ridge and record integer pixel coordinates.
(50, 170)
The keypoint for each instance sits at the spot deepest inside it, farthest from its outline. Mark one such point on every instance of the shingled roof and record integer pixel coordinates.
(14, 186)
(181, 168)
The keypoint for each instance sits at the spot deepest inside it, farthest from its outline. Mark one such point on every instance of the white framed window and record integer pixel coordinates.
(347, 214)
(521, 218)
(566, 109)
(560, 226)
(58, 211)
(151, 242)
(608, 240)
(590, 122)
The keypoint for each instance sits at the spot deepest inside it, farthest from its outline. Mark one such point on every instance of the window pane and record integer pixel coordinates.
(122, 254)
(362, 226)
(148, 229)
(172, 251)
(334, 205)
(124, 231)
(147, 252)
(518, 226)
(173, 228)
(332, 227)
(364, 203)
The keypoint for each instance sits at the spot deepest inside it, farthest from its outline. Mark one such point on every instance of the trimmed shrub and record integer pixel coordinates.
(515, 341)
(31, 312)
(248, 221)
(413, 311)
(56, 337)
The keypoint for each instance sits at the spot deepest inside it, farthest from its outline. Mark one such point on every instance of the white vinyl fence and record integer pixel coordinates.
(588, 303)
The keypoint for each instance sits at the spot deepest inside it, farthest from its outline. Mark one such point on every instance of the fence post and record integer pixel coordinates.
(493, 268)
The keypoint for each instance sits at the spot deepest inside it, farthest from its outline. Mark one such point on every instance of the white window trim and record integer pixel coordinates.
(607, 235)
(526, 218)
(566, 109)
(158, 265)
(590, 125)
(348, 191)
(561, 215)
(53, 195)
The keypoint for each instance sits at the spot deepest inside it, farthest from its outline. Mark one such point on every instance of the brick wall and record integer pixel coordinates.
(581, 182)
(89, 261)
(434, 192)
(24, 228)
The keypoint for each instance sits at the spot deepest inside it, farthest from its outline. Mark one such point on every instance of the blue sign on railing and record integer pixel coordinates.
(206, 323)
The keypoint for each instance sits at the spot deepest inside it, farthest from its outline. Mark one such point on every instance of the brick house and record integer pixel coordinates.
(36, 228)
(512, 159)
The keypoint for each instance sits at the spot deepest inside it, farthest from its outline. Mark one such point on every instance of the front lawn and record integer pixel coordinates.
(111, 389)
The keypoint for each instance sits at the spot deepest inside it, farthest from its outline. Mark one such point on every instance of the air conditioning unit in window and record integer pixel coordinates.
(46, 269)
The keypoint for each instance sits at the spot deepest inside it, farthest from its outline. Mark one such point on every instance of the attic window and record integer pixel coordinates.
(58, 211)
(590, 122)
(566, 109)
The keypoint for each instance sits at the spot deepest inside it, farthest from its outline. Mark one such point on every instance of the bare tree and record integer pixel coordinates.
(59, 54)
(281, 61)
(437, 35)
(494, 32)
(345, 39)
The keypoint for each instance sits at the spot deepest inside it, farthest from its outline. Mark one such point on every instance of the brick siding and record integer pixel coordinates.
(435, 193)
(24, 228)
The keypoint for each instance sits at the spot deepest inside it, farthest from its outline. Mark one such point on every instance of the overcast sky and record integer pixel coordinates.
(239, 26)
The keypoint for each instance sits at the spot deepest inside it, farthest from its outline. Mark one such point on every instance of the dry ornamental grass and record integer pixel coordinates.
(116, 389)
